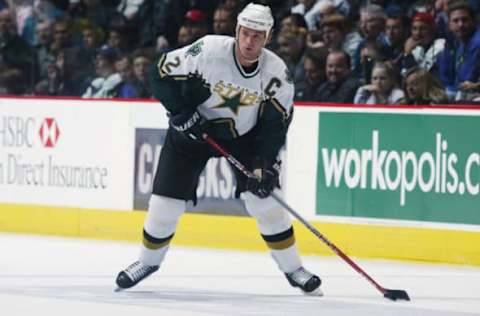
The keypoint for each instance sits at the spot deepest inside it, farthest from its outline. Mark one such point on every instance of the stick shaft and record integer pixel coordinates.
(279, 200)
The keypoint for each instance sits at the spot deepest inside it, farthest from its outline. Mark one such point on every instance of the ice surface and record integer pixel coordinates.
(61, 276)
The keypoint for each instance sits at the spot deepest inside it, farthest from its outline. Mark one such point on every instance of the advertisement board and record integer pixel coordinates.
(385, 182)
(412, 166)
(64, 153)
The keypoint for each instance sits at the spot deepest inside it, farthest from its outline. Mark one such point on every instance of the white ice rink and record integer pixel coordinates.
(58, 276)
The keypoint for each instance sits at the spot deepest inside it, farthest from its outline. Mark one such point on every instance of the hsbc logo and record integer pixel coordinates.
(49, 132)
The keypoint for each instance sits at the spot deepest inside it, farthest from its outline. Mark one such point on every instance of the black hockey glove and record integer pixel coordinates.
(266, 181)
(191, 123)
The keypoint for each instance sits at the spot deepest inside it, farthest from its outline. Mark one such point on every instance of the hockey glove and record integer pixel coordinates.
(190, 123)
(266, 181)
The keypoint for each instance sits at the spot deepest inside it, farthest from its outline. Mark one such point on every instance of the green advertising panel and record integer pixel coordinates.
(399, 166)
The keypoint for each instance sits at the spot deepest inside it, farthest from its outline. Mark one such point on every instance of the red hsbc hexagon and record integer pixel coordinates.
(49, 132)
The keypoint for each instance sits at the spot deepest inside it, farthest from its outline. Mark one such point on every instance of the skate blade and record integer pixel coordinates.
(317, 292)
(119, 289)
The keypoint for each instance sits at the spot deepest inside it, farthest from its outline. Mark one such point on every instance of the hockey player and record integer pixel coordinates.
(240, 94)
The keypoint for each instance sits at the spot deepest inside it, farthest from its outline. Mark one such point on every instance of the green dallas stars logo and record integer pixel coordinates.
(234, 97)
(233, 103)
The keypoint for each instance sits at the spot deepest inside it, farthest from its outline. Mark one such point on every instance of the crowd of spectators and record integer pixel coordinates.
(414, 52)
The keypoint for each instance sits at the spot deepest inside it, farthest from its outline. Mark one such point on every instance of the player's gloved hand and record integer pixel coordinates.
(266, 181)
(191, 123)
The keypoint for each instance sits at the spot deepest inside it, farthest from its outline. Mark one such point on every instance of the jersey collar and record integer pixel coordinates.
(240, 68)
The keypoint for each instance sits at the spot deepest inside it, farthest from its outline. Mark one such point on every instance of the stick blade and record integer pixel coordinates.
(396, 295)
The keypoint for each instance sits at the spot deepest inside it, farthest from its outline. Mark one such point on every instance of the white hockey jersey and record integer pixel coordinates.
(234, 97)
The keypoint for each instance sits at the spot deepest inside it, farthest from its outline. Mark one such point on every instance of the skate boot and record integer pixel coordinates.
(133, 274)
(308, 282)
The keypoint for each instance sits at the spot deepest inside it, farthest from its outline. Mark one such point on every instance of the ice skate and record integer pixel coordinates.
(308, 282)
(133, 274)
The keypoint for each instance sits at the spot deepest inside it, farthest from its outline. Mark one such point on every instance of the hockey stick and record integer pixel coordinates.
(390, 294)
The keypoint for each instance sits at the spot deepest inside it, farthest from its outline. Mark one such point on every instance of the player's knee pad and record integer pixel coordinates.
(271, 217)
(163, 214)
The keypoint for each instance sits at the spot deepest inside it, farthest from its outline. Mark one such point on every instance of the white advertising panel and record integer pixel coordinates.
(65, 153)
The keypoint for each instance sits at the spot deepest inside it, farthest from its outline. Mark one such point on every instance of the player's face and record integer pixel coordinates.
(250, 44)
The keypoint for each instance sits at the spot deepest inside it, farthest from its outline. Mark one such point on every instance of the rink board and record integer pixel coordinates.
(79, 168)
(233, 232)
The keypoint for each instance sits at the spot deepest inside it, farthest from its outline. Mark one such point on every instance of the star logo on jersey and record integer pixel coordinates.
(233, 103)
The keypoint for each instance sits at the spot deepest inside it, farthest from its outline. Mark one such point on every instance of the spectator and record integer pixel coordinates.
(289, 23)
(372, 27)
(169, 15)
(468, 91)
(46, 10)
(22, 13)
(97, 14)
(57, 81)
(123, 66)
(459, 60)
(62, 36)
(134, 78)
(396, 32)
(77, 27)
(141, 65)
(390, 6)
(423, 88)
(223, 21)
(117, 39)
(336, 35)
(234, 5)
(153, 22)
(369, 54)
(196, 23)
(108, 80)
(291, 46)
(16, 58)
(129, 8)
(325, 9)
(43, 35)
(292, 22)
(84, 58)
(384, 87)
(421, 48)
(311, 8)
(184, 36)
(424, 6)
(441, 18)
(162, 45)
(372, 23)
(340, 86)
(314, 65)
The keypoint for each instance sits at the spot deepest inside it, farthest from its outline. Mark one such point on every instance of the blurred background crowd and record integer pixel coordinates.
(416, 52)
